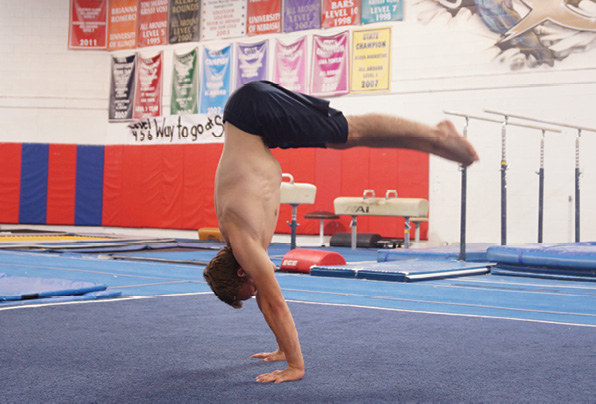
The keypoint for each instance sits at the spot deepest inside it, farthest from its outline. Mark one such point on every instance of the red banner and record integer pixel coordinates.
(148, 88)
(122, 24)
(264, 17)
(337, 13)
(88, 24)
(153, 23)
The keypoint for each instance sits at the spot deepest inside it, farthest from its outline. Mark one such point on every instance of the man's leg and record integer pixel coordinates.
(379, 130)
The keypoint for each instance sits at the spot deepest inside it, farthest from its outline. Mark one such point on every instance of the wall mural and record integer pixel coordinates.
(540, 32)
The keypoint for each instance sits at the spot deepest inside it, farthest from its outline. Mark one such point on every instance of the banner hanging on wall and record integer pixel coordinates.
(185, 86)
(184, 21)
(177, 129)
(329, 73)
(153, 23)
(122, 88)
(122, 24)
(371, 60)
(289, 67)
(88, 24)
(264, 17)
(252, 62)
(223, 19)
(148, 91)
(382, 10)
(215, 80)
(339, 13)
(301, 14)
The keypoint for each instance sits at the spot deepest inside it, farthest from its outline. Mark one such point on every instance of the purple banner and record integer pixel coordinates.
(301, 14)
(252, 63)
(289, 69)
(330, 65)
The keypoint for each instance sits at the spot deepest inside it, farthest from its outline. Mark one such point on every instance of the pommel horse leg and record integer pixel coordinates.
(353, 225)
(293, 225)
(407, 228)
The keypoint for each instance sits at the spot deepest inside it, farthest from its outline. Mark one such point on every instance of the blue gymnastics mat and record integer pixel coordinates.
(15, 288)
(563, 261)
(403, 271)
(474, 253)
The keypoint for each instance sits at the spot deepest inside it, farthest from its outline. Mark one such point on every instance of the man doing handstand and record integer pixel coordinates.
(262, 115)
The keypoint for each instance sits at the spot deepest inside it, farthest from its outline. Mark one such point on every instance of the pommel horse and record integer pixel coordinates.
(390, 205)
(294, 194)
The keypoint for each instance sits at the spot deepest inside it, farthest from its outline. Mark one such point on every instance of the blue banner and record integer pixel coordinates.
(382, 10)
(252, 63)
(215, 80)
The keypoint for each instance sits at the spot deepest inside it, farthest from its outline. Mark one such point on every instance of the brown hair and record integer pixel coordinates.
(222, 275)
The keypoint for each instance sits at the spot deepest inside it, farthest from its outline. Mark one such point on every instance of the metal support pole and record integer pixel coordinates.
(541, 189)
(354, 235)
(407, 233)
(504, 182)
(464, 184)
(577, 176)
(293, 225)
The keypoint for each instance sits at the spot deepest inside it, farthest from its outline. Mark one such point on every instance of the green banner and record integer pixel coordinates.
(185, 87)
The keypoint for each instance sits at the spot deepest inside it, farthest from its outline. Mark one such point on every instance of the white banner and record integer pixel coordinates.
(223, 19)
(178, 129)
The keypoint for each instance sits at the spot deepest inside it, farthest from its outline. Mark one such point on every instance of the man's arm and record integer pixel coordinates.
(253, 258)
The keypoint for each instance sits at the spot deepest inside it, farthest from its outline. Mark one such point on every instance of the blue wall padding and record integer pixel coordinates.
(21, 287)
(34, 183)
(474, 253)
(572, 256)
(89, 185)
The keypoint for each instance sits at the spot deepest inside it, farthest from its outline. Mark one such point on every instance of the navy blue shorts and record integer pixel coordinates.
(285, 118)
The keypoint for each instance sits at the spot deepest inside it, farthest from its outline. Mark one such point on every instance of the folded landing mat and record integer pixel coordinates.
(572, 260)
(403, 271)
(575, 256)
(23, 288)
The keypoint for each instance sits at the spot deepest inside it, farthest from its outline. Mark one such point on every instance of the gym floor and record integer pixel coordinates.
(157, 333)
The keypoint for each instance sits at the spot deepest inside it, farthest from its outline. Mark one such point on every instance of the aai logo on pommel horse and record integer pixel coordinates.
(357, 209)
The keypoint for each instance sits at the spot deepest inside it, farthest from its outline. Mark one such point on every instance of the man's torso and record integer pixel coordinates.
(247, 188)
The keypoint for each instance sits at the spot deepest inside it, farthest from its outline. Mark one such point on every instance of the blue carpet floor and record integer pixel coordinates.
(184, 349)
(474, 339)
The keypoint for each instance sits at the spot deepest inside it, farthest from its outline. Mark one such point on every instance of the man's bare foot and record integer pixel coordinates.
(454, 146)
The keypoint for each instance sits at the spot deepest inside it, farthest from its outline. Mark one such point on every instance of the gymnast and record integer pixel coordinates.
(262, 115)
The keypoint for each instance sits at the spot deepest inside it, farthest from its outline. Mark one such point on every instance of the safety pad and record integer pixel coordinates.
(302, 259)
(403, 271)
(572, 260)
(474, 253)
(26, 288)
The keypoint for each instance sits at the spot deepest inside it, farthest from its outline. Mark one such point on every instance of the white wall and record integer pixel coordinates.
(51, 94)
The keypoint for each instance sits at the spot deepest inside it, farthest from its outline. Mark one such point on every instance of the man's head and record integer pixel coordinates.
(227, 279)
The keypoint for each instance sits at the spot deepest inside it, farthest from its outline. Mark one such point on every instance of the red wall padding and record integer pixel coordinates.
(10, 182)
(171, 186)
(62, 169)
(167, 186)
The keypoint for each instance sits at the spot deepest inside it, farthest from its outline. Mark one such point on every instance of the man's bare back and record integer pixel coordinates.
(247, 186)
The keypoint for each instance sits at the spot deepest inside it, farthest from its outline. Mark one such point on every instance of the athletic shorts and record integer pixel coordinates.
(284, 118)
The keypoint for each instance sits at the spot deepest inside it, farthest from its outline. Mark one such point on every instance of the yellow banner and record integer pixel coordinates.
(371, 60)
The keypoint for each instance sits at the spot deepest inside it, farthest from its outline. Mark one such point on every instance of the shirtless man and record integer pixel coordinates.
(260, 116)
